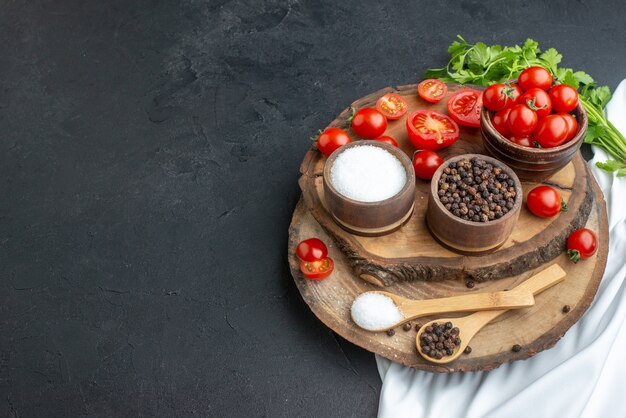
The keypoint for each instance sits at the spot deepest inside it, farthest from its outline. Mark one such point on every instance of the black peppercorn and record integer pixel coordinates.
(467, 350)
(407, 326)
(566, 309)
(469, 284)
(517, 348)
(391, 332)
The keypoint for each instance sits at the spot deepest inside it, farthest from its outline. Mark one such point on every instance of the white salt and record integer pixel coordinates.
(368, 174)
(373, 311)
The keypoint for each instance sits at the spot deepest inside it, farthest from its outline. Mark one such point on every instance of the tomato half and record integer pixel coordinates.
(501, 96)
(391, 105)
(572, 125)
(538, 100)
(387, 139)
(464, 107)
(535, 77)
(545, 202)
(331, 139)
(425, 163)
(312, 249)
(564, 98)
(432, 90)
(551, 131)
(431, 130)
(317, 270)
(522, 120)
(581, 244)
(369, 123)
(499, 122)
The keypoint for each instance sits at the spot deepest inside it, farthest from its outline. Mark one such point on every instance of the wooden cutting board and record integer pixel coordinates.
(413, 265)
(411, 253)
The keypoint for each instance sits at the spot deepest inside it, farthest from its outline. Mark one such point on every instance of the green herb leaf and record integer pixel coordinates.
(480, 54)
(530, 49)
(434, 72)
(621, 172)
(551, 58)
(599, 96)
(583, 78)
(610, 165)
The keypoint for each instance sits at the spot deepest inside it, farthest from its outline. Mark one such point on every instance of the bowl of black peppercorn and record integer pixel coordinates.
(474, 204)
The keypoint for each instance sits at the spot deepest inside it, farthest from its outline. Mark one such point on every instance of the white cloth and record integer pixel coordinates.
(582, 376)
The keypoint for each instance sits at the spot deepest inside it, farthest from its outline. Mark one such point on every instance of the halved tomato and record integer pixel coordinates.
(431, 130)
(464, 107)
(432, 90)
(391, 105)
(317, 270)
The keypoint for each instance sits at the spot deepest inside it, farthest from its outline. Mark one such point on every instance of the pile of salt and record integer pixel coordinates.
(373, 311)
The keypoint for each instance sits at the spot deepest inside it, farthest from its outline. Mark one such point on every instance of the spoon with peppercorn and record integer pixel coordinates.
(444, 340)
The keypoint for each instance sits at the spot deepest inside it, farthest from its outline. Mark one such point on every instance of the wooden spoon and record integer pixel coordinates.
(411, 309)
(471, 324)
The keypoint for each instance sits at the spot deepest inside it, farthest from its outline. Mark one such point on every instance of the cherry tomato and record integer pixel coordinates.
(499, 122)
(464, 107)
(431, 130)
(522, 120)
(538, 100)
(564, 98)
(572, 125)
(551, 131)
(425, 163)
(312, 249)
(535, 77)
(317, 270)
(369, 123)
(432, 90)
(391, 105)
(524, 140)
(331, 139)
(581, 244)
(501, 96)
(545, 202)
(388, 140)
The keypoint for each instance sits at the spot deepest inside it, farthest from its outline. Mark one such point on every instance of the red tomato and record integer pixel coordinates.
(501, 96)
(331, 139)
(564, 98)
(431, 130)
(551, 131)
(522, 120)
(464, 107)
(545, 202)
(312, 249)
(425, 163)
(535, 77)
(388, 140)
(317, 270)
(581, 244)
(499, 122)
(369, 123)
(524, 140)
(572, 125)
(392, 106)
(432, 90)
(539, 101)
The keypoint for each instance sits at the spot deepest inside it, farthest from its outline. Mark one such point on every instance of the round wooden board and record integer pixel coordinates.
(411, 253)
(535, 329)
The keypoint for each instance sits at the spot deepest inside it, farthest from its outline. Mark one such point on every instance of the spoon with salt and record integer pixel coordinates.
(380, 311)
(468, 326)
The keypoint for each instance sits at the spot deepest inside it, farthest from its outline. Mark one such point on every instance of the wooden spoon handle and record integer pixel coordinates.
(477, 302)
(543, 280)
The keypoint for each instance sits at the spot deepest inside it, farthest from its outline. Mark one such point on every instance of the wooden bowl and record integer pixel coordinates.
(468, 237)
(533, 164)
(371, 218)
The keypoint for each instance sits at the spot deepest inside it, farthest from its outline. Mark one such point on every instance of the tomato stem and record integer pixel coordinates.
(563, 205)
(574, 255)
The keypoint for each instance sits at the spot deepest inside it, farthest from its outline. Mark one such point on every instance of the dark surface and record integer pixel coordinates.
(148, 170)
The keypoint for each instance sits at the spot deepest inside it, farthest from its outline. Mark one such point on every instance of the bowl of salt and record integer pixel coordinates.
(369, 187)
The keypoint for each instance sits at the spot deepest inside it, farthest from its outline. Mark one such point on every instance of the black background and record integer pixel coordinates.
(149, 160)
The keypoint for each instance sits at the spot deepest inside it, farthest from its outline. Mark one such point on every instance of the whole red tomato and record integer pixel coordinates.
(524, 140)
(501, 96)
(545, 202)
(387, 139)
(522, 120)
(431, 130)
(369, 123)
(535, 77)
(581, 244)
(538, 100)
(425, 163)
(564, 98)
(572, 125)
(551, 131)
(331, 139)
(499, 122)
(312, 249)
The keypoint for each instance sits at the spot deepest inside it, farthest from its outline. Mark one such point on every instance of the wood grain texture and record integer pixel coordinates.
(535, 329)
(411, 253)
